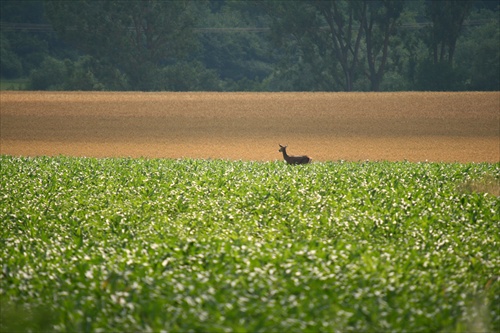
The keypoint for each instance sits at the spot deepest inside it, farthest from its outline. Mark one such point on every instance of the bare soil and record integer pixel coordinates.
(414, 126)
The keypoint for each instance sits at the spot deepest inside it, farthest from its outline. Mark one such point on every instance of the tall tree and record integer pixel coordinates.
(22, 51)
(323, 29)
(137, 35)
(379, 22)
(242, 57)
(345, 33)
(447, 18)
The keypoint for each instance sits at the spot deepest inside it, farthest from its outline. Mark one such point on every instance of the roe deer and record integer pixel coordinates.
(294, 159)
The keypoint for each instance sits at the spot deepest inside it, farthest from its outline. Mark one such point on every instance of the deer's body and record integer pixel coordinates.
(294, 159)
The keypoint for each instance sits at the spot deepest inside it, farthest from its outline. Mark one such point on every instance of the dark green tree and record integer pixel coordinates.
(306, 62)
(22, 50)
(345, 21)
(137, 36)
(447, 18)
(325, 37)
(438, 72)
(234, 45)
(441, 76)
(380, 23)
(336, 36)
(10, 65)
(479, 53)
(49, 76)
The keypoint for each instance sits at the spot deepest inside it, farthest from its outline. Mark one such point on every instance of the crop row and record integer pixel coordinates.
(179, 245)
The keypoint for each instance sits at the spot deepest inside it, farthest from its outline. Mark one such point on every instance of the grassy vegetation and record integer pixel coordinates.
(178, 245)
(18, 84)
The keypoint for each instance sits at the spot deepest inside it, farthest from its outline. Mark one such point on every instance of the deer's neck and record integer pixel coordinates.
(285, 155)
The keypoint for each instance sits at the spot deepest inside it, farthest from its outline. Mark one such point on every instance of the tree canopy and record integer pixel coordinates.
(226, 45)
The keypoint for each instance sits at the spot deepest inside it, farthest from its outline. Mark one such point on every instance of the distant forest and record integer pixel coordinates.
(148, 45)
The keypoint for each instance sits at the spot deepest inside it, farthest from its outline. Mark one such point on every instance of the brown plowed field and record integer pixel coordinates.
(414, 126)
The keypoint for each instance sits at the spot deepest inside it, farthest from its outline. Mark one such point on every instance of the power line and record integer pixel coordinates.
(47, 28)
(28, 27)
(40, 27)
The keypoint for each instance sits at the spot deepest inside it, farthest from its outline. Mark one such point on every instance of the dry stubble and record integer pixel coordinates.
(415, 126)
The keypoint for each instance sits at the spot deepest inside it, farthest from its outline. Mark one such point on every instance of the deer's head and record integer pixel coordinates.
(282, 148)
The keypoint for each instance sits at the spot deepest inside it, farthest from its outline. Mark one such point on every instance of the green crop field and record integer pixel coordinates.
(121, 244)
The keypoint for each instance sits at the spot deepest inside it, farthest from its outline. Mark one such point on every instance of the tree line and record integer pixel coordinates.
(153, 45)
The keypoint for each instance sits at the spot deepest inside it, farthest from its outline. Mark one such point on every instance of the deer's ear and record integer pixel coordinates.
(280, 146)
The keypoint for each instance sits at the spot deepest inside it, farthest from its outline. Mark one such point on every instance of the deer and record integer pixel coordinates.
(294, 159)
